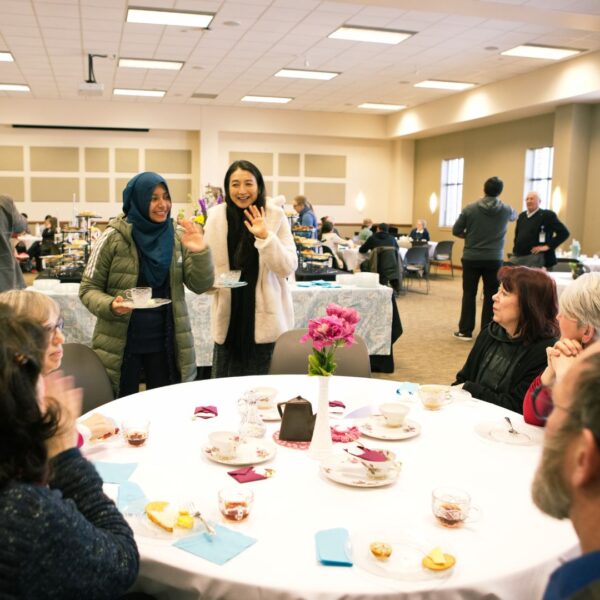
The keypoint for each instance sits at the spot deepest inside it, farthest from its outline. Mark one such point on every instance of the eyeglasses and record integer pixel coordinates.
(58, 326)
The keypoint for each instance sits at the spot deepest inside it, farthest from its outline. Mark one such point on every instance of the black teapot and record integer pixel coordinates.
(297, 420)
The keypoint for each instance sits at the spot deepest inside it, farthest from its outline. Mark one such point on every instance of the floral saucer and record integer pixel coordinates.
(250, 452)
(375, 427)
(350, 471)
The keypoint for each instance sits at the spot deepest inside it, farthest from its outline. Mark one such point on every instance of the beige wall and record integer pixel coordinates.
(591, 222)
(493, 150)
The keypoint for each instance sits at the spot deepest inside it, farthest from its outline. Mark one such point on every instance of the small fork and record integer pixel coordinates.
(194, 512)
(511, 429)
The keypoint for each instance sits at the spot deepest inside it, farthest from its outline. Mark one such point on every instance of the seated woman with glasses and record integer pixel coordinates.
(45, 311)
(579, 322)
(61, 536)
(511, 350)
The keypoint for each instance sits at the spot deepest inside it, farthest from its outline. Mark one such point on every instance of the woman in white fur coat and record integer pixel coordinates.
(250, 235)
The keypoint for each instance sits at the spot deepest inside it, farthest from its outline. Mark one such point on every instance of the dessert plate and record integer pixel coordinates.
(375, 427)
(229, 284)
(405, 562)
(497, 431)
(250, 452)
(152, 303)
(350, 471)
(143, 526)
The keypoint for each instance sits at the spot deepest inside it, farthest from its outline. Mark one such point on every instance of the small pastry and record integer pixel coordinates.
(437, 560)
(380, 550)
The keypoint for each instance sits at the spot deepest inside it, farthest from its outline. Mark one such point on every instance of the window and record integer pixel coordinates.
(451, 196)
(538, 173)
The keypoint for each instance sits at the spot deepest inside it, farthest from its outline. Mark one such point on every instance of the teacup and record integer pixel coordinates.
(452, 506)
(265, 397)
(394, 413)
(225, 443)
(136, 430)
(235, 503)
(139, 295)
(433, 396)
(380, 469)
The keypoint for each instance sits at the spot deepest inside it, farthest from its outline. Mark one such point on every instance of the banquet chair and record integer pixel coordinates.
(416, 266)
(290, 356)
(83, 364)
(443, 254)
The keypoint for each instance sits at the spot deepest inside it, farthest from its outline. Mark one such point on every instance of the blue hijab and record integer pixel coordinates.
(154, 241)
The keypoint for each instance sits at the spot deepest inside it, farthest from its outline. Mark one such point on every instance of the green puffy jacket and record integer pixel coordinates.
(112, 269)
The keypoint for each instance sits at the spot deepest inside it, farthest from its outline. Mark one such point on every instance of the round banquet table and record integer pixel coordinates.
(508, 552)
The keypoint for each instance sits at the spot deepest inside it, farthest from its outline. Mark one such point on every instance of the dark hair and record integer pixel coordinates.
(246, 165)
(493, 186)
(23, 429)
(538, 302)
(327, 227)
(383, 227)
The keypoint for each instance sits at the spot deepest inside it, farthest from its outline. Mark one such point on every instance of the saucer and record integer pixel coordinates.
(375, 427)
(250, 452)
(269, 414)
(229, 284)
(152, 303)
(144, 527)
(350, 471)
(497, 431)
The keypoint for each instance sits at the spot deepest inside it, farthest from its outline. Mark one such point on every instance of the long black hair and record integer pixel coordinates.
(23, 428)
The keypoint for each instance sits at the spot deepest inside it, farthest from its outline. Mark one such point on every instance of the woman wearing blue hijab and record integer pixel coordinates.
(143, 248)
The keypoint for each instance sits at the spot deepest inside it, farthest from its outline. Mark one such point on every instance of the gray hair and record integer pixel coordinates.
(32, 305)
(581, 301)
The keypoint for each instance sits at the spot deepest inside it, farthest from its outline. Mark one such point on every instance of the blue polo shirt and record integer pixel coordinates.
(573, 577)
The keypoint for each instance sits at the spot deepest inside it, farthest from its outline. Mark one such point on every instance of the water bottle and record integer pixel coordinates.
(575, 249)
(542, 235)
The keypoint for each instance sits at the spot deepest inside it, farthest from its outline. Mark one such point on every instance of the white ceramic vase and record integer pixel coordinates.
(321, 445)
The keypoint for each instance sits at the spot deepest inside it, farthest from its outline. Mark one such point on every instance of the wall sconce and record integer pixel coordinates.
(360, 202)
(433, 202)
(556, 199)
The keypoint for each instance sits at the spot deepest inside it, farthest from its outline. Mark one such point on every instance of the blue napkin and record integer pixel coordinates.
(318, 283)
(131, 498)
(217, 548)
(115, 472)
(407, 387)
(332, 547)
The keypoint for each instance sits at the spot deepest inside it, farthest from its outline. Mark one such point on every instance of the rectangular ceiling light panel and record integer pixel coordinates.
(306, 74)
(266, 99)
(378, 106)
(6, 57)
(14, 87)
(543, 52)
(169, 17)
(137, 63)
(368, 34)
(437, 84)
(147, 93)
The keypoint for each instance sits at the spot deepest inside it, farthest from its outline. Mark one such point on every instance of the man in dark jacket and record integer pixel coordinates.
(483, 225)
(538, 234)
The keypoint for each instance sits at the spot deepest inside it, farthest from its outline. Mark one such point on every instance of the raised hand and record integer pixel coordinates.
(193, 235)
(256, 222)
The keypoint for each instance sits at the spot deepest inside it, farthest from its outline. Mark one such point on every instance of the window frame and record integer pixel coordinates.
(451, 189)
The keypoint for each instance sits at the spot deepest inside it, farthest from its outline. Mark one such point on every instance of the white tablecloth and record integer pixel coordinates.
(353, 257)
(29, 239)
(508, 553)
(562, 280)
(373, 304)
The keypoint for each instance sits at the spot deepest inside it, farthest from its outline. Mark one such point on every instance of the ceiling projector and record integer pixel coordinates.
(91, 89)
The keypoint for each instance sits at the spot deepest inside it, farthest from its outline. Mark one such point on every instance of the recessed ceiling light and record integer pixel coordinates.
(378, 106)
(368, 34)
(438, 84)
(6, 57)
(231, 23)
(169, 17)
(545, 52)
(137, 63)
(306, 74)
(14, 87)
(266, 99)
(148, 93)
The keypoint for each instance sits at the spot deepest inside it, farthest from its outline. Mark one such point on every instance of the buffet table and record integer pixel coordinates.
(373, 304)
(507, 552)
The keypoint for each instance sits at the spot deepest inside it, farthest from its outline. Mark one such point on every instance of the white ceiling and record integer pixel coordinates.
(50, 39)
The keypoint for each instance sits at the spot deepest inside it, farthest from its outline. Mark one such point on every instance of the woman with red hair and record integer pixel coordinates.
(511, 351)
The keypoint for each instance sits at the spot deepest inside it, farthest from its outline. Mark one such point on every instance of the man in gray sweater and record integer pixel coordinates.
(483, 226)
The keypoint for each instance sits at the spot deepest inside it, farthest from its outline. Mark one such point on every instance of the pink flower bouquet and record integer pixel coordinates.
(328, 333)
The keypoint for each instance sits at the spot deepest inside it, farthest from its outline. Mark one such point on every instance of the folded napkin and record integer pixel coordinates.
(318, 283)
(406, 387)
(205, 412)
(332, 547)
(246, 474)
(131, 499)
(217, 548)
(114, 472)
(337, 403)
(371, 455)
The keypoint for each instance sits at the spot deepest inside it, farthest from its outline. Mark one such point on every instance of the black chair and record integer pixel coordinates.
(443, 254)
(416, 266)
(291, 357)
(83, 364)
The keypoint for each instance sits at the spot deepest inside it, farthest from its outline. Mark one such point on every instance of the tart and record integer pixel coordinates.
(437, 560)
(380, 550)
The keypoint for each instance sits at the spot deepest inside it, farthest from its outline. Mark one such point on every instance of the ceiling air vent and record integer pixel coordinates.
(205, 96)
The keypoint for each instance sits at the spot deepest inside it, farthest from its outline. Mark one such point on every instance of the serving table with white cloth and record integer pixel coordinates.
(508, 552)
(373, 304)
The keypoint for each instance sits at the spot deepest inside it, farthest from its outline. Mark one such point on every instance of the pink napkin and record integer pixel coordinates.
(246, 474)
(372, 455)
(337, 403)
(205, 412)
